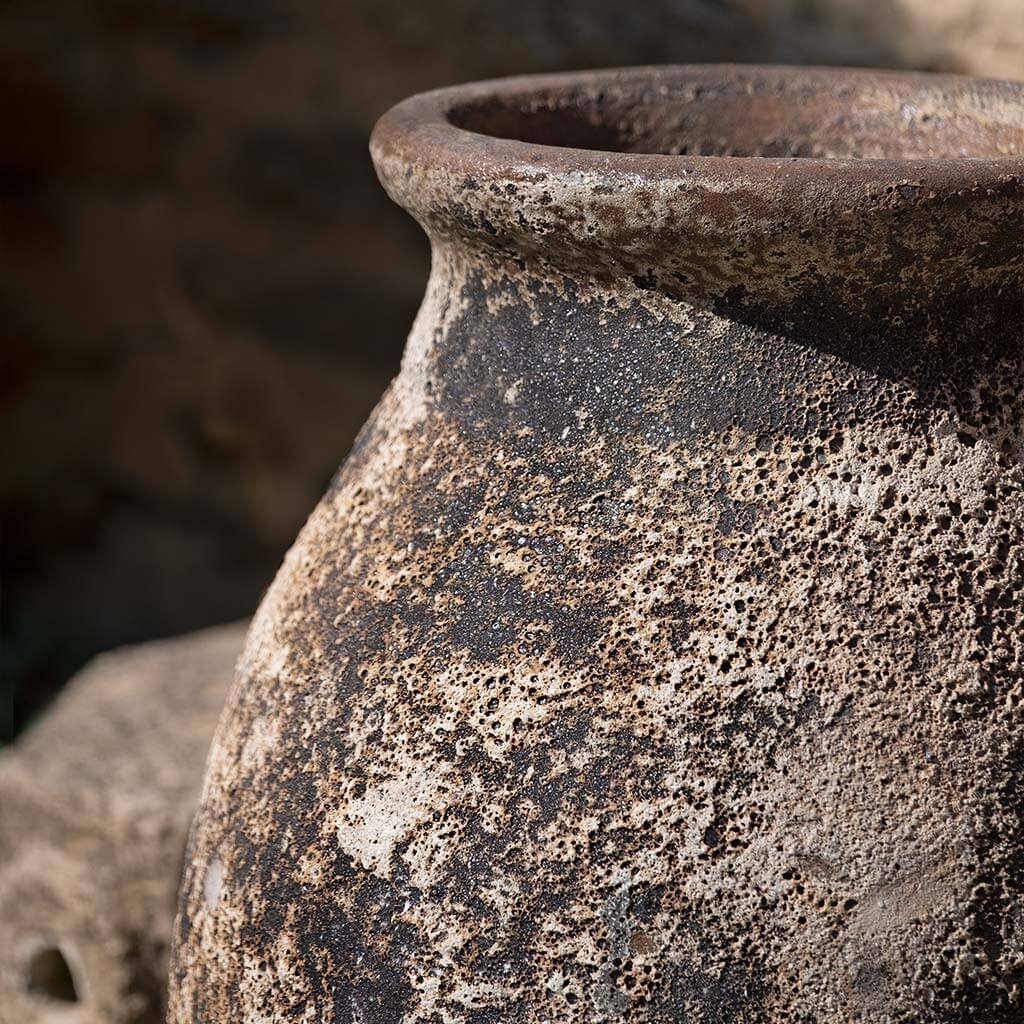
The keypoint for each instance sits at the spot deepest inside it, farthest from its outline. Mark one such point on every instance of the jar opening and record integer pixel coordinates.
(815, 116)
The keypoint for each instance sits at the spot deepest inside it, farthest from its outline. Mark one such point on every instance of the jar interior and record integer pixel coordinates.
(830, 115)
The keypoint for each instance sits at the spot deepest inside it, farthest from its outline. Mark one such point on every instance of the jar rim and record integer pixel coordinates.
(829, 118)
(856, 209)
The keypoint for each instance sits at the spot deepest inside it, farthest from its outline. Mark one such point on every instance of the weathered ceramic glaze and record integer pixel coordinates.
(658, 653)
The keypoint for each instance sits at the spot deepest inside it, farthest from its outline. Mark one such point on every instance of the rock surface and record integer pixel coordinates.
(95, 803)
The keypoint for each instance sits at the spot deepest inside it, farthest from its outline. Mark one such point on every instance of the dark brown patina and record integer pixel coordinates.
(658, 654)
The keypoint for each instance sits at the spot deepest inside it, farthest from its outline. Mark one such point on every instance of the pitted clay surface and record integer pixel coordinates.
(641, 664)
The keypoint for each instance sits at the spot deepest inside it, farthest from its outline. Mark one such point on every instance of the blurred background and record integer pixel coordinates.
(203, 290)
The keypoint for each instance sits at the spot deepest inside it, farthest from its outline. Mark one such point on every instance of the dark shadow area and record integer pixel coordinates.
(49, 976)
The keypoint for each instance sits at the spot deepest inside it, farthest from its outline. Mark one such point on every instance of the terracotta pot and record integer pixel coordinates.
(658, 653)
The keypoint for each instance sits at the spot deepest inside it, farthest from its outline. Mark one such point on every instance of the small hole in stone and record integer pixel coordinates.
(49, 976)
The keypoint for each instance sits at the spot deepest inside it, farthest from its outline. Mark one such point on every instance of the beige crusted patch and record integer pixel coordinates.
(371, 825)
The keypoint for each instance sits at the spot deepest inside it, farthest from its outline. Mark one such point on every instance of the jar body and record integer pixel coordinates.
(640, 664)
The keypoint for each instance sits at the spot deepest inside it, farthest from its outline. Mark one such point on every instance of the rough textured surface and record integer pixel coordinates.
(203, 291)
(658, 653)
(95, 803)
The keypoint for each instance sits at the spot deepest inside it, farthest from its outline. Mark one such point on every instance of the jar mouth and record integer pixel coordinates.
(744, 112)
(854, 190)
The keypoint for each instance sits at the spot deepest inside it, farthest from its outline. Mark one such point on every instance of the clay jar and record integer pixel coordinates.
(658, 652)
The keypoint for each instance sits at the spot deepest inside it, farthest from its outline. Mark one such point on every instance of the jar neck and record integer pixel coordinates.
(882, 319)
(504, 334)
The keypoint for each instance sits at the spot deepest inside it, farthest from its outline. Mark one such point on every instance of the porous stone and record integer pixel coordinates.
(95, 803)
(657, 655)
